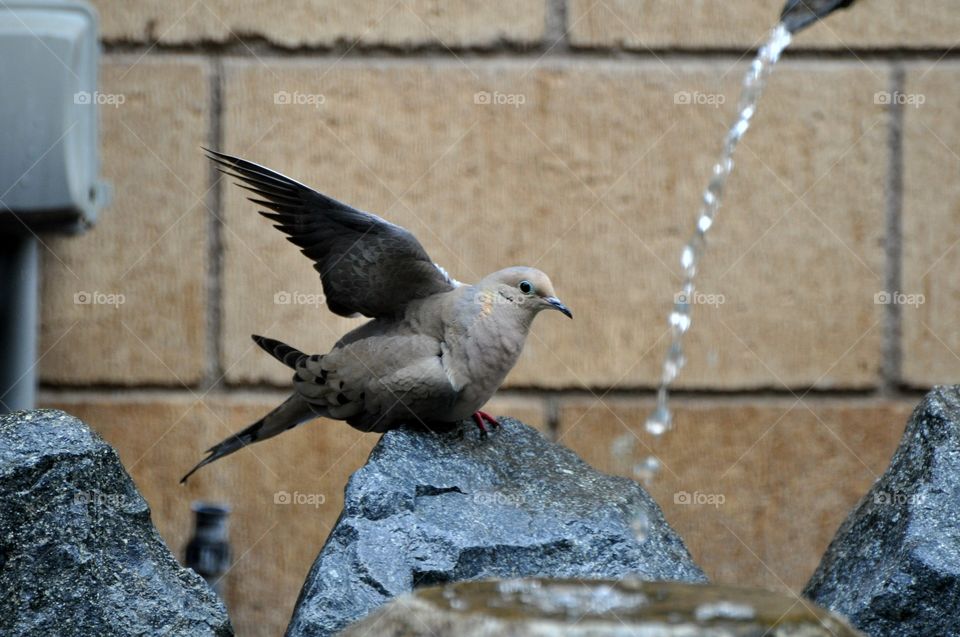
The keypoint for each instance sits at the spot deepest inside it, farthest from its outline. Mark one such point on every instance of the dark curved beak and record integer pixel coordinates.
(557, 304)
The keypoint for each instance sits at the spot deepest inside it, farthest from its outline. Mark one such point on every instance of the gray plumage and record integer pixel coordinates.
(435, 350)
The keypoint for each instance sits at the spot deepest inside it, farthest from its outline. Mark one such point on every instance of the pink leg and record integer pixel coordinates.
(480, 417)
(490, 419)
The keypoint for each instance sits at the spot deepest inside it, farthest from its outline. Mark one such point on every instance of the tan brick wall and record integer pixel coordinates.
(787, 473)
(149, 249)
(602, 159)
(294, 23)
(590, 167)
(735, 24)
(931, 225)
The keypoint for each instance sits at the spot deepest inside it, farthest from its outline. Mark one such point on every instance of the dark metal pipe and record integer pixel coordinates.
(799, 14)
(19, 281)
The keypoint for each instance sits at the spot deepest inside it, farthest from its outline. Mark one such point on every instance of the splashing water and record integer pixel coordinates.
(661, 420)
(646, 470)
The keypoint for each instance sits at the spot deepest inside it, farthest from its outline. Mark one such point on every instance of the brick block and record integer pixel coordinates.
(413, 23)
(930, 298)
(125, 303)
(756, 489)
(742, 24)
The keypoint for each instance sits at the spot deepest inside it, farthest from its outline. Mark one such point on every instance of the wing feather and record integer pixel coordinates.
(367, 265)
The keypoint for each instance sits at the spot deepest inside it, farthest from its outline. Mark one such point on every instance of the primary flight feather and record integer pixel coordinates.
(434, 351)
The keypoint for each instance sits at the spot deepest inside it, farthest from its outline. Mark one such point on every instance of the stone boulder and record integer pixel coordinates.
(574, 608)
(435, 507)
(894, 566)
(78, 553)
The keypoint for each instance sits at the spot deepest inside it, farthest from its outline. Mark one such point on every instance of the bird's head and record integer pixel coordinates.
(526, 288)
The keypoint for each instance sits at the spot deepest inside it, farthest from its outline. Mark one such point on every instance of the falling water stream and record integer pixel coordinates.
(680, 317)
(661, 420)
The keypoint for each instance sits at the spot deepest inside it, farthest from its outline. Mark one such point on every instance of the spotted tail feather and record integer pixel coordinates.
(292, 412)
(281, 351)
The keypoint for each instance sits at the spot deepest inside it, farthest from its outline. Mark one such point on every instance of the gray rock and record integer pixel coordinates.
(435, 507)
(894, 566)
(577, 608)
(78, 553)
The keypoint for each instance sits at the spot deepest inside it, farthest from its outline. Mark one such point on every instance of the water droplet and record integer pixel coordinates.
(741, 128)
(647, 469)
(680, 318)
(674, 363)
(640, 526)
(715, 187)
(659, 421)
(709, 199)
(704, 223)
(656, 426)
(724, 610)
(623, 446)
(669, 373)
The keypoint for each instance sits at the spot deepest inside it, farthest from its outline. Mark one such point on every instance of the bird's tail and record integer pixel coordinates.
(281, 351)
(292, 412)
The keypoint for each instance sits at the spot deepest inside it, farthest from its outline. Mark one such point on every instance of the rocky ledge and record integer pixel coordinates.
(451, 506)
(79, 555)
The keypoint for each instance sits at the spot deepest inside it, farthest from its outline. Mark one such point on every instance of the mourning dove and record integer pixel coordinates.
(435, 350)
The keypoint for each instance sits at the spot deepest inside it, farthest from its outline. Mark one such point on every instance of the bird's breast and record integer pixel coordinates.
(494, 347)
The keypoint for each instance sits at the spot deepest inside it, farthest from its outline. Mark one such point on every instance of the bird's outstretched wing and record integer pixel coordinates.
(368, 266)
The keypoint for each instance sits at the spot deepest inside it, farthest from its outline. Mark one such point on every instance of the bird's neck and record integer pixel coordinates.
(498, 329)
(489, 310)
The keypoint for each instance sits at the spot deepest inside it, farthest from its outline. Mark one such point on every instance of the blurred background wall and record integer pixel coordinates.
(575, 135)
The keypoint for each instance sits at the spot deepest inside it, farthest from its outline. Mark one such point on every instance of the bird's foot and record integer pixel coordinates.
(480, 417)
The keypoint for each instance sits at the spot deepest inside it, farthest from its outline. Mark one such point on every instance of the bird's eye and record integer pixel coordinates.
(526, 287)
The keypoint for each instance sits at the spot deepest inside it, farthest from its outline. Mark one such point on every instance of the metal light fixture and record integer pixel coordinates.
(49, 162)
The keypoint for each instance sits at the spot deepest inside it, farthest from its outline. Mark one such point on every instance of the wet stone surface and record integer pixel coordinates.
(894, 566)
(571, 608)
(79, 555)
(432, 508)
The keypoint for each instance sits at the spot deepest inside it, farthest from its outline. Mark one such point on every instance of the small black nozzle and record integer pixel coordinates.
(208, 552)
(799, 14)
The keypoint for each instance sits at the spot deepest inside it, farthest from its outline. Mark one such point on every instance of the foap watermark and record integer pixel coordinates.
(315, 500)
(699, 298)
(698, 497)
(899, 98)
(296, 98)
(99, 500)
(97, 98)
(284, 297)
(114, 299)
(486, 498)
(496, 98)
(899, 298)
(697, 98)
(884, 498)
